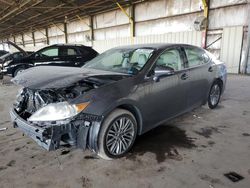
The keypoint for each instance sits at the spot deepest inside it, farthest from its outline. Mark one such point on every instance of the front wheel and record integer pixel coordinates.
(18, 71)
(117, 134)
(214, 95)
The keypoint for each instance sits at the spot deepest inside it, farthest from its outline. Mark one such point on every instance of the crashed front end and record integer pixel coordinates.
(49, 129)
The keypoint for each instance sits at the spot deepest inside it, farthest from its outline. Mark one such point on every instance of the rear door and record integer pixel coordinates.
(70, 56)
(200, 75)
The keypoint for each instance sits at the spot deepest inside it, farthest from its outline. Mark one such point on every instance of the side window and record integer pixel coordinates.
(68, 51)
(50, 52)
(170, 58)
(196, 57)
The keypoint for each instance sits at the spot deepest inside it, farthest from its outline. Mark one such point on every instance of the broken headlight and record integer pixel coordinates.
(58, 111)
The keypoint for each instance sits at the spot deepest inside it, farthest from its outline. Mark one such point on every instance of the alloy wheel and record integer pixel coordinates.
(120, 136)
(215, 94)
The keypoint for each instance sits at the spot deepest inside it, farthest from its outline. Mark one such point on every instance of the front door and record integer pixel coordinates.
(47, 56)
(166, 97)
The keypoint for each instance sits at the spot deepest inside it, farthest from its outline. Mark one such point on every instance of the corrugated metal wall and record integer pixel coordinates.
(156, 21)
(188, 37)
(231, 48)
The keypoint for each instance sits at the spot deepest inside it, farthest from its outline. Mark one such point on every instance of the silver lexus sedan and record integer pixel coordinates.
(115, 97)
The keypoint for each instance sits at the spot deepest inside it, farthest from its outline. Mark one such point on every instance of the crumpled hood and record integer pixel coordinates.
(54, 77)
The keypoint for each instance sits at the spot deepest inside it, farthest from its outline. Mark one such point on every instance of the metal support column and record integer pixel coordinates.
(65, 32)
(23, 40)
(131, 20)
(246, 62)
(92, 34)
(206, 4)
(33, 38)
(47, 35)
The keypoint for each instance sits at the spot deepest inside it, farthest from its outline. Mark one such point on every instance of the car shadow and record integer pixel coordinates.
(163, 141)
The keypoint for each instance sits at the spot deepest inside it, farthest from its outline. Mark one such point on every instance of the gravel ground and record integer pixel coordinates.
(194, 150)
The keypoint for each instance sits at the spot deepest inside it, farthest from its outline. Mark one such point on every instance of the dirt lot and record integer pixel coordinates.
(194, 150)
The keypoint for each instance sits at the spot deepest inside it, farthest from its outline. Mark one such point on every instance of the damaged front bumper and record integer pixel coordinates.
(80, 133)
(35, 132)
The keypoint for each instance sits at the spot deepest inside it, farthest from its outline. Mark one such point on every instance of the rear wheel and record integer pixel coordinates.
(214, 95)
(117, 134)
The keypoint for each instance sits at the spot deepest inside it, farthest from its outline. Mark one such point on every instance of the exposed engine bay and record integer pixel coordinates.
(30, 100)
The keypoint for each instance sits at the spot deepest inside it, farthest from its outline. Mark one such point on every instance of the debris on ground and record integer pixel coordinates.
(91, 157)
(3, 129)
(196, 116)
(64, 152)
(85, 182)
(11, 163)
(234, 177)
(245, 134)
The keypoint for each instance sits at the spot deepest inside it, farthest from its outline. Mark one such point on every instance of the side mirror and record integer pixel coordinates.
(162, 73)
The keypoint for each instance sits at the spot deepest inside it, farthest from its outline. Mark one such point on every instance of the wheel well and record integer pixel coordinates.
(135, 112)
(220, 82)
(18, 67)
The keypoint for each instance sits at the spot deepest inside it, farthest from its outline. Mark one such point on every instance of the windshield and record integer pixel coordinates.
(128, 61)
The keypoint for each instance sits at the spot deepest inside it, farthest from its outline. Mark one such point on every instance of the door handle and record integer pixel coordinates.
(79, 57)
(56, 58)
(210, 69)
(184, 76)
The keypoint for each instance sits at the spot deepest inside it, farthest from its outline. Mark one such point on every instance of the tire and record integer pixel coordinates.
(17, 71)
(214, 95)
(113, 145)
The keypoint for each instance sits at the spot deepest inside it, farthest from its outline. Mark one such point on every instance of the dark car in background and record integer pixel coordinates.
(3, 52)
(54, 55)
(15, 56)
(118, 95)
(6, 59)
(15, 53)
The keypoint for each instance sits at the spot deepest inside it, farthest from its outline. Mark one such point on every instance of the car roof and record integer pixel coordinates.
(70, 45)
(154, 46)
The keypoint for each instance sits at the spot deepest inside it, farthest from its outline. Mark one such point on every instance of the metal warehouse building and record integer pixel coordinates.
(33, 24)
